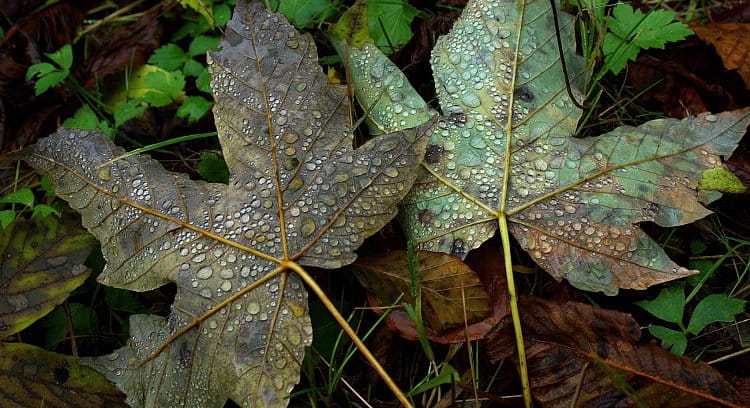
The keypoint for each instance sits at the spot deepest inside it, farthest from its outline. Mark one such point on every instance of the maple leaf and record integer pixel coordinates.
(503, 151)
(299, 194)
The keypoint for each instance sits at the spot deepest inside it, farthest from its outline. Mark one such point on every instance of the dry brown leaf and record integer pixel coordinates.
(449, 287)
(571, 345)
(732, 42)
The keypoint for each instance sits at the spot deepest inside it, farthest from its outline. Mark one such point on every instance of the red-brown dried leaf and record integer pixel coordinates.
(126, 46)
(487, 263)
(571, 345)
(732, 43)
(451, 292)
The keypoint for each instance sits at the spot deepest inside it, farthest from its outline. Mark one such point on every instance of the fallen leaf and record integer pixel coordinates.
(127, 47)
(452, 294)
(732, 42)
(504, 151)
(41, 263)
(487, 264)
(34, 377)
(298, 194)
(571, 345)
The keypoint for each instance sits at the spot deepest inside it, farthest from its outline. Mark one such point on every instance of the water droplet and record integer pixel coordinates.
(205, 272)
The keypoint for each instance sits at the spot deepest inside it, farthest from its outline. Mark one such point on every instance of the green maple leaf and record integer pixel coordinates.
(299, 193)
(503, 151)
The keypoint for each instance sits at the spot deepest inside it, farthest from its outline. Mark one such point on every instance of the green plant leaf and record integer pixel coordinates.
(33, 377)
(504, 151)
(193, 108)
(6, 218)
(448, 375)
(390, 23)
(62, 57)
(47, 81)
(669, 305)
(162, 88)
(299, 194)
(151, 84)
(169, 57)
(714, 308)
(193, 68)
(213, 168)
(304, 13)
(42, 263)
(40, 69)
(84, 118)
(203, 82)
(202, 44)
(222, 14)
(352, 27)
(630, 31)
(128, 110)
(21, 196)
(44, 210)
(672, 340)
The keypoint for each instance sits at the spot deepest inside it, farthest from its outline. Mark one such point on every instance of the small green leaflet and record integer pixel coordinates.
(629, 31)
(171, 57)
(21, 196)
(670, 305)
(86, 119)
(304, 13)
(714, 308)
(390, 23)
(193, 108)
(46, 74)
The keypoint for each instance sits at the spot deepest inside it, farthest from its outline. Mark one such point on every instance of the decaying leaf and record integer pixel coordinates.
(33, 377)
(449, 287)
(298, 194)
(572, 345)
(732, 43)
(504, 150)
(41, 262)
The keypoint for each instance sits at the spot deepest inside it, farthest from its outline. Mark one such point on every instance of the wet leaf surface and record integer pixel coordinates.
(41, 262)
(32, 376)
(299, 193)
(572, 344)
(504, 149)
